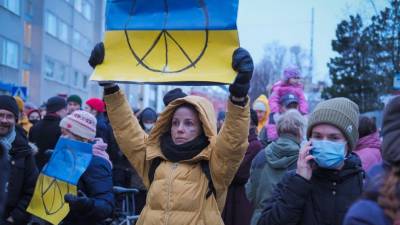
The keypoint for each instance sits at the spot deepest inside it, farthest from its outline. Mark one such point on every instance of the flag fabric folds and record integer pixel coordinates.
(59, 177)
(169, 41)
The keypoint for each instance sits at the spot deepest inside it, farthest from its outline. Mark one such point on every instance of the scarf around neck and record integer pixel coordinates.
(186, 151)
(8, 139)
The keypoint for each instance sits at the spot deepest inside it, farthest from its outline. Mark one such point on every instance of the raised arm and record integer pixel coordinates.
(232, 142)
(130, 137)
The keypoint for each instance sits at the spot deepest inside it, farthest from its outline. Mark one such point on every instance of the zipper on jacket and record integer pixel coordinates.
(167, 212)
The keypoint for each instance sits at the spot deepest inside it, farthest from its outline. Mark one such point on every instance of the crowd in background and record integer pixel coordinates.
(272, 163)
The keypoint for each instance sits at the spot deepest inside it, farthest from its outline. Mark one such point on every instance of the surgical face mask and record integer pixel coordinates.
(148, 126)
(328, 154)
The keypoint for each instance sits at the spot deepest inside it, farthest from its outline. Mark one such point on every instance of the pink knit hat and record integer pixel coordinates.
(291, 72)
(80, 123)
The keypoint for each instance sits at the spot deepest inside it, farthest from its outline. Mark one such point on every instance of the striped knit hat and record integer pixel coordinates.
(341, 113)
(80, 123)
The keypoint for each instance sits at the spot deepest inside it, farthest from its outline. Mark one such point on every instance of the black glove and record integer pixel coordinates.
(78, 202)
(242, 63)
(97, 55)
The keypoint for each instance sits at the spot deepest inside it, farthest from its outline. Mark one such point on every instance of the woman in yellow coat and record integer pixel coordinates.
(183, 140)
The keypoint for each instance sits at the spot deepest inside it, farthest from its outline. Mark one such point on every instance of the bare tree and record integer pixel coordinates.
(269, 69)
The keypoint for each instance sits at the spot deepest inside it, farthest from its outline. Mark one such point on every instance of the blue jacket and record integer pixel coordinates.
(97, 184)
(367, 211)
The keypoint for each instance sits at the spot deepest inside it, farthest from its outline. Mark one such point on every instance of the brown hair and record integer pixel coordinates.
(366, 126)
(388, 198)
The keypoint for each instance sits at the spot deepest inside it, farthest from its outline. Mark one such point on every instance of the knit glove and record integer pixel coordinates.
(80, 202)
(242, 63)
(96, 58)
(97, 55)
(99, 149)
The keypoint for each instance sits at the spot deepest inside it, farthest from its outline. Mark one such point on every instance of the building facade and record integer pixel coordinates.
(45, 45)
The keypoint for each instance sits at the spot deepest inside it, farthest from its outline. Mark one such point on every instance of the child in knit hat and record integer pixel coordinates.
(289, 84)
(95, 200)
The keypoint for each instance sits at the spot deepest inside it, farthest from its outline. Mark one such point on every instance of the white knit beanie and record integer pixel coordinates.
(80, 123)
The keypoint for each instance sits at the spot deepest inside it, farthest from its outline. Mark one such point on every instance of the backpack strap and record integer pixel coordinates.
(204, 167)
(153, 166)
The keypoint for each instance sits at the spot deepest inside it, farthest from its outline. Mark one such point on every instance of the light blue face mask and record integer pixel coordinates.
(328, 154)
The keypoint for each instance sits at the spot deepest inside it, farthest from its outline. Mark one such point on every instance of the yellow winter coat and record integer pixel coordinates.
(263, 122)
(177, 193)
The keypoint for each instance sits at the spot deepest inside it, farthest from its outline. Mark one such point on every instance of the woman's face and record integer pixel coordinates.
(69, 135)
(185, 125)
(328, 133)
(34, 116)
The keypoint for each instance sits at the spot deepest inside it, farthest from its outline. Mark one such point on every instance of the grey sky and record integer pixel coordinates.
(288, 22)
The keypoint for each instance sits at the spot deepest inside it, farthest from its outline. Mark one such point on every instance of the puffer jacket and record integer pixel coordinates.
(367, 210)
(368, 149)
(261, 123)
(323, 200)
(177, 195)
(280, 89)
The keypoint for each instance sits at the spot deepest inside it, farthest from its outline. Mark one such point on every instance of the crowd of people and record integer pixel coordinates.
(269, 162)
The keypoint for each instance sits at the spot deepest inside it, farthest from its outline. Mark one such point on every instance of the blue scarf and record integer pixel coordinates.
(8, 139)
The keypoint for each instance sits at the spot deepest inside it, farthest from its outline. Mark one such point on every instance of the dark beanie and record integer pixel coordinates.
(253, 117)
(8, 103)
(341, 113)
(55, 104)
(75, 98)
(391, 132)
(148, 114)
(172, 95)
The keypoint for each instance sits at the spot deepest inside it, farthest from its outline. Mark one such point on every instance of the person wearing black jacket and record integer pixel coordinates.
(46, 132)
(4, 170)
(328, 178)
(23, 171)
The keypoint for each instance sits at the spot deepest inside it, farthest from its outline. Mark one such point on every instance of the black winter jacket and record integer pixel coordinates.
(323, 200)
(45, 135)
(4, 170)
(22, 179)
(96, 183)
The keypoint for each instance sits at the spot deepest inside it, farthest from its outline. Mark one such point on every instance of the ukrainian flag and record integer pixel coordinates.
(59, 177)
(169, 41)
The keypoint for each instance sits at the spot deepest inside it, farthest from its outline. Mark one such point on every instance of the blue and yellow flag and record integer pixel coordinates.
(59, 177)
(169, 41)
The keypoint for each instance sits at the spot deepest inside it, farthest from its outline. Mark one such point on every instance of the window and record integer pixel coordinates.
(63, 31)
(27, 56)
(87, 10)
(75, 79)
(28, 8)
(49, 68)
(26, 74)
(78, 5)
(76, 39)
(12, 5)
(9, 54)
(81, 43)
(51, 24)
(84, 81)
(27, 34)
(62, 73)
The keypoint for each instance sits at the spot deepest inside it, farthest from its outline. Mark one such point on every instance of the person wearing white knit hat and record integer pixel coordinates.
(95, 200)
(80, 126)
